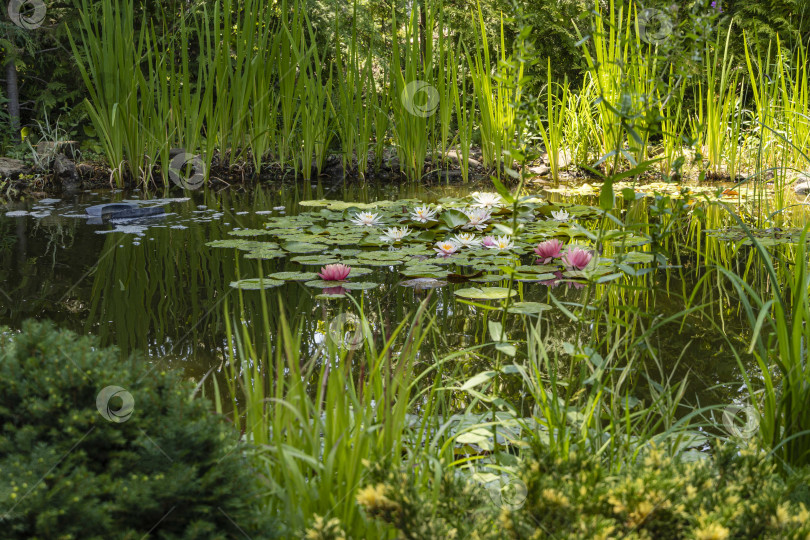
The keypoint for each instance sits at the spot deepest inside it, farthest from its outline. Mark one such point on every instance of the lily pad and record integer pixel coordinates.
(294, 276)
(369, 262)
(423, 283)
(380, 255)
(636, 257)
(249, 232)
(490, 278)
(485, 293)
(325, 284)
(304, 247)
(360, 285)
(331, 296)
(317, 260)
(359, 271)
(255, 284)
(528, 308)
(534, 277)
(238, 243)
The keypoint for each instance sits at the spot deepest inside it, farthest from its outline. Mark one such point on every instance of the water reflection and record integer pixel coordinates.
(154, 286)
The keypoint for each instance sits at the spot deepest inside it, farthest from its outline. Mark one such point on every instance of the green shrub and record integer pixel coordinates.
(730, 494)
(170, 470)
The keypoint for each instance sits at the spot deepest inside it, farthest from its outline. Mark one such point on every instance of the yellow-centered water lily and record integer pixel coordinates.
(445, 248)
(487, 200)
(467, 240)
(395, 234)
(500, 242)
(478, 218)
(366, 219)
(423, 214)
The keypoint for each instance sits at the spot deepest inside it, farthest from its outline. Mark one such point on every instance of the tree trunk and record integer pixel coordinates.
(13, 98)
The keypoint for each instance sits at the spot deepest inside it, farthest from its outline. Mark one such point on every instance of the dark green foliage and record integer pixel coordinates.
(173, 468)
(767, 18)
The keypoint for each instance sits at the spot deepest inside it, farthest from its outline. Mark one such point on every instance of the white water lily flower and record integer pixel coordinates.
(395, 235)
(467, 240)
(448, 247)
(423, 214)
(501, 242)
(366, 219)
(487, 200)
(478, 218)
(562, 216)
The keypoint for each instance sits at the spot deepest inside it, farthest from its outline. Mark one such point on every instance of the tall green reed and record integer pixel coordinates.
(778, 317)
(322, 422)
(556, 102)
(496, 89)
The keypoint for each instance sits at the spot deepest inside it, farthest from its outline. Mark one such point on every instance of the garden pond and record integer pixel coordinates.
(160, 285)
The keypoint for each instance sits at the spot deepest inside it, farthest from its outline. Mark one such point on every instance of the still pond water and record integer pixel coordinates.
(155, 287)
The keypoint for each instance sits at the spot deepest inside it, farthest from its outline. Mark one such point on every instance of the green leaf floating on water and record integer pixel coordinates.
(324, 284)
(532, 277)
(294, 276)
(330, 296)
(485, 293)
(345, 252)
(341, 205)
(358, 271)
(537, 268)
(636, 257)
(262, 253)
(454, 218)
(360, 285)
(255, 284)
(380, 255)
(304, 247)
(249, 232)
(369, 262)
(528, 308)
(491, 278)
(423, 283)
(238, 243)
(317, 260)
(349, 285)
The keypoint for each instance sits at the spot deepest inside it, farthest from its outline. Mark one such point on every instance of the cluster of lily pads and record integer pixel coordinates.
(457, 240)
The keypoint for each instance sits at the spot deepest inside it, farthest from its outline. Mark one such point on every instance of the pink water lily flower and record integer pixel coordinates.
(576, 259)
(335, 272)
(488, 241)
(548, 250)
